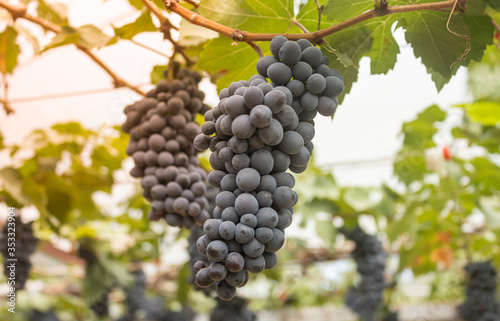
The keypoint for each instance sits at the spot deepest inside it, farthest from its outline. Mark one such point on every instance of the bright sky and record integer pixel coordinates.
(364, 130)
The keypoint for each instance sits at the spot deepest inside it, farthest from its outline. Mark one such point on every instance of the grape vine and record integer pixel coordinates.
(257, 132)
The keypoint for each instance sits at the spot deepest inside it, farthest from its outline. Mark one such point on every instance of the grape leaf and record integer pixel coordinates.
(384, 50)
(254, 16)
(12, 183)
(88, 35)
(143, 23)
(485, 112)
(410, 167)
(354, 43)
(54, 12)
(157, 73)
(308, 16)
(339, 10)
(431, 41)
(484, 81)
(9, 50)
(91, 37)
(238, 60)
(67, 36)
(194, 35)
(482, 30)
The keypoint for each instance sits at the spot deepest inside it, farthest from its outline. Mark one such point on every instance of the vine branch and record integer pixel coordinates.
(165, 27)
(5, 101)
(314, 37)
(18, 11)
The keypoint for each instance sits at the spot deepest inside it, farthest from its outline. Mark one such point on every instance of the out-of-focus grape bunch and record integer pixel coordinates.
(366, 298)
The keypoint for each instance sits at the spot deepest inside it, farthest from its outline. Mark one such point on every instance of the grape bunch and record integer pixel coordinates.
(162, 127)
(25, 244)
(481, 303)
(256, 133)
(139, 307)
(235, 309)
(370, 257)
(37, 315)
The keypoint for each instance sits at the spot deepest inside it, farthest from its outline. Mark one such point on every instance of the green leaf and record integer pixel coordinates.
(484, 81)
(354, 43)
(359, 198)
(72, 128)
(9, 50)
(432, 114)
(194, 35)
(54, 12)
(157, 73)
(339, 10)
(385, 49)
(308, 16)
(486, 175)
(482, 31)
(410, 168)
(144, 23)
(485, 112)
(183, 283)
(438, 79)
(327, 232)
(431, 41)
(237, 60)
(91, 37)
(13, 184)
(68, 35)
(255, 16)
(495, 4)
(490, 206)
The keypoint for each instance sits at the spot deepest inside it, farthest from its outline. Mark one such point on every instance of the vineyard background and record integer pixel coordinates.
(423, 178)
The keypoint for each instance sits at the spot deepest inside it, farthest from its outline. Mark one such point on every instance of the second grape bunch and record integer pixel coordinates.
(258, 131)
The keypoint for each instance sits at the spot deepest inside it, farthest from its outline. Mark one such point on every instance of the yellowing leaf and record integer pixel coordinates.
(9, 50)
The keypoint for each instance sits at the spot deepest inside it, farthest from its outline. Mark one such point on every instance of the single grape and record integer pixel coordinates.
(248, 179)
(217, 251)
(267, 217)
(275, 45)
(264, 63)
(290, 53)
(272, 134)
(243, 234)
(284, 197)
(313, 56)
(234, 262)
(291, 142)
(316, 83)
(279, 73)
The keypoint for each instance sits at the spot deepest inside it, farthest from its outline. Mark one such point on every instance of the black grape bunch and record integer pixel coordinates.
(256, 132)
(235, 309)
(162, 127)
(37, 315)
(481, 303)
(366, 298)
(138, 304)
(25, 244)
